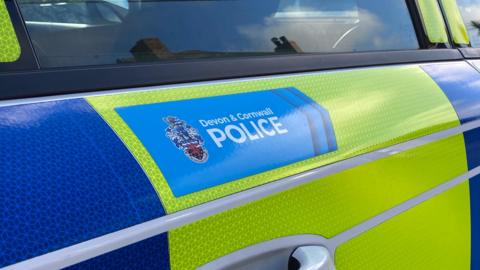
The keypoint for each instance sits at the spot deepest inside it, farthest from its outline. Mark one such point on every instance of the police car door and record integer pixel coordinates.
(275, 134)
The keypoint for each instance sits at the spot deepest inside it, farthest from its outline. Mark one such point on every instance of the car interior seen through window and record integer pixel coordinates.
(96, 32)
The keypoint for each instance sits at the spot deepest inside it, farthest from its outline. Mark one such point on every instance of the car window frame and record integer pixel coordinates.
(469, 52)
(26, 74)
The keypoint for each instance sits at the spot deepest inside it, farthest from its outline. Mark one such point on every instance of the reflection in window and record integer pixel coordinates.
(470, 10)
(326, 10)
(96, 32)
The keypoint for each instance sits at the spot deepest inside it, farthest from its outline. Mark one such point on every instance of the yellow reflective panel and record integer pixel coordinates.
(370, 109)
(332, 205)
(432, 20)
(455, 22)
(433, 235)
(9, 46)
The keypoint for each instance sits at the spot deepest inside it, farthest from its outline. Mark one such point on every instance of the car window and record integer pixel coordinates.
(96, 32)
(470, 10)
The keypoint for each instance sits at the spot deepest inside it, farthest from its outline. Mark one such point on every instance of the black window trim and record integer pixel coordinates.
(76, 80)
(470, 53)
(422, 38)
(467, 51)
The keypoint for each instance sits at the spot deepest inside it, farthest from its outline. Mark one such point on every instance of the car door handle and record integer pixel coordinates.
(311, 258)
(296, 252)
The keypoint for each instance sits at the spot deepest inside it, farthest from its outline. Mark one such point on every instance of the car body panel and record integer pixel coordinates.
(391, 105)
(69, 177)
(433, 235)
(380, 165)
(326, 207)
(378, 98)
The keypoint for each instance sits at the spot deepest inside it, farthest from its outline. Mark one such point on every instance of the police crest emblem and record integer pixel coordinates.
(186, 138)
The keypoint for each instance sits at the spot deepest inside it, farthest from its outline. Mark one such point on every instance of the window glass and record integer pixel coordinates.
(470, 10)
(96, 32)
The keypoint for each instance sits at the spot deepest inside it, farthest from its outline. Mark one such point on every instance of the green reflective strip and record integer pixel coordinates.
(370, 109)
(433, 21)
(433, 235)
(455, 22)
(329, 206)
(9, 46)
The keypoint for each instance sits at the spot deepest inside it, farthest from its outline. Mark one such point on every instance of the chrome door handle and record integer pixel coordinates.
(311, 258)
(297, 252)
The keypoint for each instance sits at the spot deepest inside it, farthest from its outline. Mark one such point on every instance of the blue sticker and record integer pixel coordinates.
(205, 142)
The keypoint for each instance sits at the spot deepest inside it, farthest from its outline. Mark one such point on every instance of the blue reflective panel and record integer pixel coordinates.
(65, 178)
(472, 142)
(205, 142)
(149, 254)
(461, 84)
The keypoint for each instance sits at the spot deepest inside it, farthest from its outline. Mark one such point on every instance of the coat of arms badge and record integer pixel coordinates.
(186, 138)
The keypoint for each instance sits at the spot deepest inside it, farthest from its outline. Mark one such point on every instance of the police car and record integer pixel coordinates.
(259, 135)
